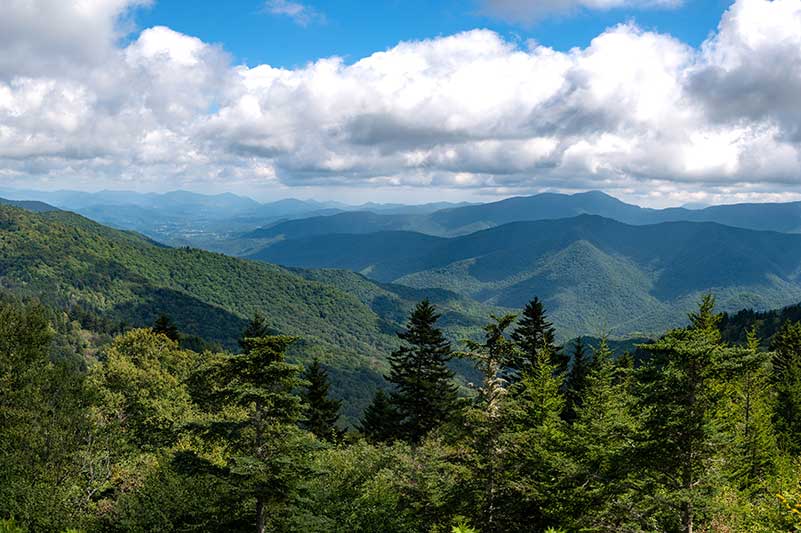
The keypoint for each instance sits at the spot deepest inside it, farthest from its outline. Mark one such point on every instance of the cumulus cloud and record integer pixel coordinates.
(530, 11)
(637, 113)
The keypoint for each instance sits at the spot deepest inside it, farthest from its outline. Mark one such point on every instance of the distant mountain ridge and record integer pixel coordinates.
(594, 273)
(782, 217)
(29, 205)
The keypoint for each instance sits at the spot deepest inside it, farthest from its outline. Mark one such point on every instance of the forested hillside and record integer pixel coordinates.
(89, 270)
(596, 274)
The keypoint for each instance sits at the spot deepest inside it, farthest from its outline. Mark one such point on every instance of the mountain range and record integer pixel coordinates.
(599, 263)
(595, 274)
(783, 217)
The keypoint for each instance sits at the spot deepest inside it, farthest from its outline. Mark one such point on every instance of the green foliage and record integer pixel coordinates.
(380, 420)
(576, 380)
(142, 384)
(263, 448)
(424, 396)
(141, 434)
(10, 526)
(787, 379)
(165, 326)
(534, 333)
(602, 440)
(322, 412)
(43, 423)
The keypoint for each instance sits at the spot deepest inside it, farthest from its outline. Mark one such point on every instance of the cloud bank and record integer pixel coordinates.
(636, 113)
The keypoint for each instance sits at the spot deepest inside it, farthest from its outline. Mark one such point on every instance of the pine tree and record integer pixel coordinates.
(534, 332)
(787, 382)
(264, 447)
(322, 412)
(680, 394)
(602, 444)
(380, 420)
(424, 395)
(487, 418)
(576, 380)
(165, 326)
(534, 444)
(255, 329)
(746, 413)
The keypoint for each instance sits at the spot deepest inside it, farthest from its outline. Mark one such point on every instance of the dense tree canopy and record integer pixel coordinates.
(138, 433)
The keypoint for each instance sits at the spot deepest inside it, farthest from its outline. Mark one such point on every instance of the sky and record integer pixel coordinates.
(658, 102)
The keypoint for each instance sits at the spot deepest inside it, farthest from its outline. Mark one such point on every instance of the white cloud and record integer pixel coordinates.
(301, 14)
(636, 113)
(530, 11)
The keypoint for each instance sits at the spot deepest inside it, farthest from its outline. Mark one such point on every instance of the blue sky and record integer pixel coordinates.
(354, 29)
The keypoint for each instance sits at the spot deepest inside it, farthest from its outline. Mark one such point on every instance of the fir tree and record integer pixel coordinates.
(380, 420)
(602, 444)
(424, 395)
(534, 332)
(787, 382)
(679, 397)
(322, 412)
(255, 329)
(706, 319)
(165, 326)
(747, 414)
(264, 447)
(576, 380)
(487, 418)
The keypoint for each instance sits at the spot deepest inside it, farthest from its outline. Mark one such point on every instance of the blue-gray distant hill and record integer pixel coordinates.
(595, 274)
(783, 217)
(29, 205)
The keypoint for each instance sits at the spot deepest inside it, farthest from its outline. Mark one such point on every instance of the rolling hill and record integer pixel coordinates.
(595, 274)
(72, 263)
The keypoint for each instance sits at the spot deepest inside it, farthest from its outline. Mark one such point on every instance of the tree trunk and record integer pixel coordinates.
(259, 515)
(687, 517)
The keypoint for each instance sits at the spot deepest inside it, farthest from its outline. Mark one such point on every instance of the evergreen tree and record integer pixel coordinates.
(576, 380)
(625, 367)
(424, 395)
(486, 419)
(680, 394)
(255, 329)
(534, 440)
(534, 332)
(706, 319)
(746, 413)
(787, 382)
(165, 326)
(264, 448)
(322, 412)
(602, 444)
(380, 420)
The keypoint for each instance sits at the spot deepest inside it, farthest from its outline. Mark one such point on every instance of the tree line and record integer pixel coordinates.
(693, 435)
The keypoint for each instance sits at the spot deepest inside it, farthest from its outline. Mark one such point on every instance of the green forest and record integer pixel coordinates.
(688, 433)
